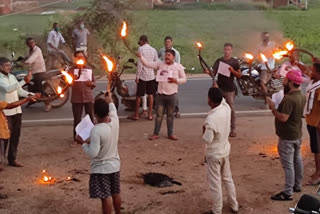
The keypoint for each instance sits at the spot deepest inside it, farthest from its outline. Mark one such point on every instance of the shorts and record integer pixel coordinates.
(146, 87)
(265, 76)
(314, 133)
(104, 185)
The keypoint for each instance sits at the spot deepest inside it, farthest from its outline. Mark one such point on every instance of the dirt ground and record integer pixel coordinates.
(256, 170)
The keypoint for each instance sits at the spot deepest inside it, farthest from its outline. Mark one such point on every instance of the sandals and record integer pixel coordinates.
(154, 137)
(16, 164)
(172, 137)
(282, 197)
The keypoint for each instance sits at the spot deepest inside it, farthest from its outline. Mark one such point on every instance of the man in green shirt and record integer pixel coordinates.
(288, 124)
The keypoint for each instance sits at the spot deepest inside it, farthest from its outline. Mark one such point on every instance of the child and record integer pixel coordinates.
(102, 148)
(216, 131)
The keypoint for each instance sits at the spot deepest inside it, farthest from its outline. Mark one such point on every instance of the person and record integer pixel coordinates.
(168, 44)
(145, 77)
(167, 90)
(216, 131)
(4, 129)
(226, 82)
(80, 38)
(10, 91)
(102, 148)
(53, 42)
(35, 60)
(82, 91)
(312, 115)
(288, 125)
(266, 47)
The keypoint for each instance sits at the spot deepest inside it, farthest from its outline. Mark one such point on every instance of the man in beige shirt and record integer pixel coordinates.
(35, 61)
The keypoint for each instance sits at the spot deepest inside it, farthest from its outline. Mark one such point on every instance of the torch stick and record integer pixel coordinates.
(202, 62)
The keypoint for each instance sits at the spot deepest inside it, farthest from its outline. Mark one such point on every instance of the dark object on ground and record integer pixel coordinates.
(159, 180)
(309, 203)
(75, 179)
(172, 192)
(3, 196)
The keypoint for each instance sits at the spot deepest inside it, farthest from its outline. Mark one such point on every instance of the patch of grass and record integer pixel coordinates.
(235, 5)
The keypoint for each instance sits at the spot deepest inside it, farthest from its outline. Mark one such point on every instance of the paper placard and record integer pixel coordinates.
(83, 129)
(163, 75)
(85, 75)
(223, 69)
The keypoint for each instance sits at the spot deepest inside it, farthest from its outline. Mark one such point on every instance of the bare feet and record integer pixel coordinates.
(144, 113)
(74, 144)
(16, 164)
(314, 181)
(154, 137)
(47, 108)
(172, 137)
(178, 115)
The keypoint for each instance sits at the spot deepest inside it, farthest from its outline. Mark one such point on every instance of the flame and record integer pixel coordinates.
(199, 45)
(124, 29)
(289, 46)
(80, 62)
(68, 77)
(44, 171)
(68, 178)
(249, 56)
(279, 54)
(263, 57)
(45, 179)
(109, 63)
(59, 91)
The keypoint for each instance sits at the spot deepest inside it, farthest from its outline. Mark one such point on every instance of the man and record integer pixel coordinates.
(10, 90)
(312, 115)
(266, 47)
(145, 77)
(35, 60)
(216, 131)
(53, 42)
(288, 124)
(82, 91)
(80, 38)
(168, 44)
(226, 80)
(169, 75)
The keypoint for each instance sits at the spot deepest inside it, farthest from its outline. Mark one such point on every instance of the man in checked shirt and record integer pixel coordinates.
(145, 79)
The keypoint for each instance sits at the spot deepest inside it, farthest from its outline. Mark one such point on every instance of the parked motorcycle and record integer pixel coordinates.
(307, 204)
(249, 83)
(52, 80)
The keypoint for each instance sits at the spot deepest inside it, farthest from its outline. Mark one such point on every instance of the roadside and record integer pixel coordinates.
(256, 170)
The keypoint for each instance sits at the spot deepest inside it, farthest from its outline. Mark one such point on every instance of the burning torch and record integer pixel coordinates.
(291, 47)
(249, 58)
(109, 68)
(123, 35)
(265, 60)
(203, 63)
(68, 79)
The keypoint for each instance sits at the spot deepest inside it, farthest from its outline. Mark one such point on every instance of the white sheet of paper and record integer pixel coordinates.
(277, 98)
(163, 75)
(83, 129)
(86, 75)
(224, 69)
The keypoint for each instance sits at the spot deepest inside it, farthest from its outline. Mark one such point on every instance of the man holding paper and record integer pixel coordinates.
(169, 75)
(227, 68)
(81, 97)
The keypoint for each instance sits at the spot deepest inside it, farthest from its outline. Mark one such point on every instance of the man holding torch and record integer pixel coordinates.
(227, 68)
(169, 75)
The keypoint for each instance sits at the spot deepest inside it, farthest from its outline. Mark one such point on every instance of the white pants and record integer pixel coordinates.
(220, 169)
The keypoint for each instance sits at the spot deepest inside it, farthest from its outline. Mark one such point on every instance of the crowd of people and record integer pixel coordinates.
(159, 73)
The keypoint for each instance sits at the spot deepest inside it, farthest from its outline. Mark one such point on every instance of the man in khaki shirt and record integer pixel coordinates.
(37, 67)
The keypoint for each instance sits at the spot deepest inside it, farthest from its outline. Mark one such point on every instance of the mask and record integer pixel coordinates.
(82, 26)
(57, 29)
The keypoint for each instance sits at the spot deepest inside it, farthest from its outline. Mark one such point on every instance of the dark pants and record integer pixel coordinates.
(176, 109)
(14, 123)
(38, 78)
(165, 103)
(77, 109)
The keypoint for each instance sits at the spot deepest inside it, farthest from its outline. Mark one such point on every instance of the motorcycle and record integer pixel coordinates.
(307, 204)
(52, 80)
(249, 83)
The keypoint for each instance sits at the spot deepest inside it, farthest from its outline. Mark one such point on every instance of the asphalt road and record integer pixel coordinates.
(192, 99)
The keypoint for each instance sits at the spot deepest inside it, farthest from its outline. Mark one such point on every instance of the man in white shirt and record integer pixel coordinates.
(35, 61)
(10, 90)
(53, 42)
(216, 131)
(266, 47)
(145, 77)
(168, 44)
(169, 75)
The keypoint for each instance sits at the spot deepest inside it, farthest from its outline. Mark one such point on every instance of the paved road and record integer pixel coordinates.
(192, 98)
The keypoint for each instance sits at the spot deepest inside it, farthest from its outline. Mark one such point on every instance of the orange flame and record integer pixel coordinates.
(108, 62)
(289, 46)
(44, 171)
(59, 91)
(199, 44)
(80, 62)
(263, 57)
(279, 54)
(68, 77)
(68, 178)
(45, 179)
(249, 56)
(124, 29)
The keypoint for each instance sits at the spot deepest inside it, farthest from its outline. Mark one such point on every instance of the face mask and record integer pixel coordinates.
(57, 29)
(82, 26)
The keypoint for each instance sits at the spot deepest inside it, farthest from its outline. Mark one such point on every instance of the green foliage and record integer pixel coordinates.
(234, 5)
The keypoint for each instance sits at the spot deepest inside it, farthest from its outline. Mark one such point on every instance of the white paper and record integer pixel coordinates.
(163, 75)
(83, 129)
(86, 75)
(224, 69)
(277, 98)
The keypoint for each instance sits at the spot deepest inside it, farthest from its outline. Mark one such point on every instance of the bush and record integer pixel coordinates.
(215, 6)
